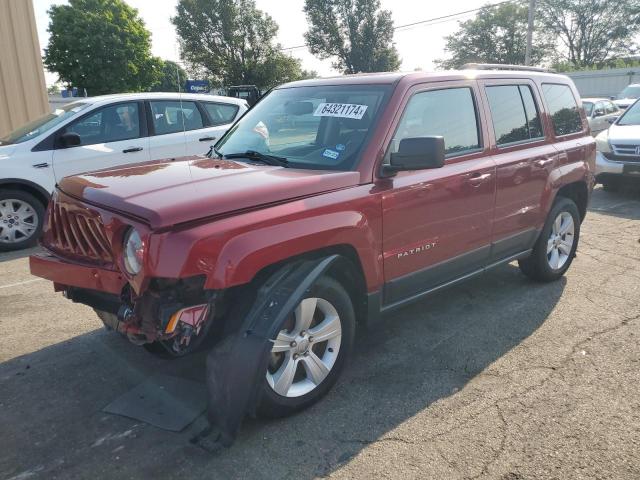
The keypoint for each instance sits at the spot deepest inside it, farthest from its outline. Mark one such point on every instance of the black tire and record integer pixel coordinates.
(38, 209)
(537, 265)
(273, 405)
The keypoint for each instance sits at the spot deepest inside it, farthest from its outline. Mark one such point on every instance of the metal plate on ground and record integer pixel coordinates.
(170, 403)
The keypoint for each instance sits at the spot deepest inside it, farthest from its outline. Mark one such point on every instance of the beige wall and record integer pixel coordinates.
(23, 95)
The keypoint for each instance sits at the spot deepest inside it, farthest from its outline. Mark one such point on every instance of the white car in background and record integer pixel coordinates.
(601, 113)
(618, 155)
(627, 96)
(96, 133)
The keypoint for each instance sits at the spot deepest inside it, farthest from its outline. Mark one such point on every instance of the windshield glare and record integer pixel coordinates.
(631, 116)
(320, 127)
(630, 92)
(43, 124)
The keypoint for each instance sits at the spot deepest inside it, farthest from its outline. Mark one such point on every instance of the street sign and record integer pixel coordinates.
(197, 86)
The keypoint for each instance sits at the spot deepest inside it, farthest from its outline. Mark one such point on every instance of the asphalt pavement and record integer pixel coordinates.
(497, 378)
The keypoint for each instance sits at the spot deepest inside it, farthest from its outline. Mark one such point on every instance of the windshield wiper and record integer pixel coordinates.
(212, 150)
(261, 157)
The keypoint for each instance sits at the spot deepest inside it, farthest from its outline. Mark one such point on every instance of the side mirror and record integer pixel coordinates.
(417, 154)
(69, 139)
(598, 112)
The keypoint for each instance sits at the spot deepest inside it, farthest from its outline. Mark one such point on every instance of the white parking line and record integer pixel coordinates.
(22, 283)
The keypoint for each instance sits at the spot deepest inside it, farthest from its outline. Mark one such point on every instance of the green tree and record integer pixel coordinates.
(232, 42)
(496, 35)
(100, 45)
(356, 33)
(172, 79)
(591, 32)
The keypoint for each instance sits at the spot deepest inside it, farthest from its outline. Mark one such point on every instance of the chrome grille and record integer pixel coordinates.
(627, 153)
(78, 234)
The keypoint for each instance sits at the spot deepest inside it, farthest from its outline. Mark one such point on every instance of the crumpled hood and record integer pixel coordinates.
(169, 192)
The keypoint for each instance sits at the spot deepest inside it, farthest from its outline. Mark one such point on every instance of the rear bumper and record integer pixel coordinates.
(64, 273)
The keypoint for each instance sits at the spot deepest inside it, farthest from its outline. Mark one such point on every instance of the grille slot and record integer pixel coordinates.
(78, 234)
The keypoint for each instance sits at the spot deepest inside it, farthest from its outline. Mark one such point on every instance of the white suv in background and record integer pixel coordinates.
(96, 133)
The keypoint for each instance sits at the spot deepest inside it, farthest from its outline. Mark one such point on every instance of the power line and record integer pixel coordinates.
(429, 20)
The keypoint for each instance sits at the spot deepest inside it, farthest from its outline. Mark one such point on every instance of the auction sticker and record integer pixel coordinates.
(330, 154)
(342, 110)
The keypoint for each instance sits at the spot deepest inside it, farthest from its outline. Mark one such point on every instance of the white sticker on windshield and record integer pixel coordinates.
(343, 110)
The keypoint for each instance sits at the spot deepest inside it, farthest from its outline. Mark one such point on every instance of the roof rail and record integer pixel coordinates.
(501, 66)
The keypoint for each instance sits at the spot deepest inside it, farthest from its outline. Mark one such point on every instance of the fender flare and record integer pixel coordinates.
(236, 365)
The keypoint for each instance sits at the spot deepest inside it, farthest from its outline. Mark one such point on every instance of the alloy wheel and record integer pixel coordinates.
(18, 221)
(304, 353)
(561, 239)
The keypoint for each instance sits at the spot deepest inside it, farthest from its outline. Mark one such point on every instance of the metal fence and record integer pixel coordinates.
(604, 83)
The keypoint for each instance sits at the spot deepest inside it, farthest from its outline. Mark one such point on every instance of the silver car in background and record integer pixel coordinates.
(618, 155)
(601, 113)
(627, 96)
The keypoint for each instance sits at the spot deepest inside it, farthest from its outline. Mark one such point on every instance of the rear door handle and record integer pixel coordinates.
(132, 149)
(477, 179)
(207, 139)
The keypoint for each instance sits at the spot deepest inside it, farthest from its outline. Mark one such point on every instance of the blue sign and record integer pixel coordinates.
(197, 86)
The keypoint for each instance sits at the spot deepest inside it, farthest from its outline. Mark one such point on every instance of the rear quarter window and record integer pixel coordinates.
(563, 109)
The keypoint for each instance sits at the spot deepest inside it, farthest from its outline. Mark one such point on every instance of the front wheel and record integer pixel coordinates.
(555, 248)
(310, 351)
(21, 218)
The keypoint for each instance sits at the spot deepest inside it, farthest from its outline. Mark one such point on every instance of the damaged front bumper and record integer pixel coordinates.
(64, 274)
(172, 312)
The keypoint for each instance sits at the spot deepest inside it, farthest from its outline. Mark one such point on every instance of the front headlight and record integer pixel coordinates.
(133, 251)
(602, 142)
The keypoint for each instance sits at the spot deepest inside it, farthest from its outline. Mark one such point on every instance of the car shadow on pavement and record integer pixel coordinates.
(51, 400)
(8, 256)
(624, 203)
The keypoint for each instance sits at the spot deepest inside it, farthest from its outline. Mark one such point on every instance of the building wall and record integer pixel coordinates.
(604, 83)
(23, 95)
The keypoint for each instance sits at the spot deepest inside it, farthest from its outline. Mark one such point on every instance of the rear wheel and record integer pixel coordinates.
(21, 218)
(310, 351)
(555, 248)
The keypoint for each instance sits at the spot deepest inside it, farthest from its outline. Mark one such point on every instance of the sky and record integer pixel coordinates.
(418, 45)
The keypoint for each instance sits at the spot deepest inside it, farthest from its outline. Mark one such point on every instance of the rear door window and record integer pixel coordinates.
(514, 114)
(220, 113)
(175, 116)
(450, 113)
(610, 107)
(563, 109)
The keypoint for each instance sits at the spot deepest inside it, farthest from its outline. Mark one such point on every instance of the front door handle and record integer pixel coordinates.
(132, 149)
(543, 162)
(477, 179)
(207, 139)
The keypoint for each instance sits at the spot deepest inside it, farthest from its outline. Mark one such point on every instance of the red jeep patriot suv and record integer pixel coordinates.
(330, 202)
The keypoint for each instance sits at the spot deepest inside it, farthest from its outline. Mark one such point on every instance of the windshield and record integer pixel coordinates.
(320, 127)
(588, 108)
(632, 91)
(631, 115)
(43, 124)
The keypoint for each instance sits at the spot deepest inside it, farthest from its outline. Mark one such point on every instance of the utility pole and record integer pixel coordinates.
(527, 52)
